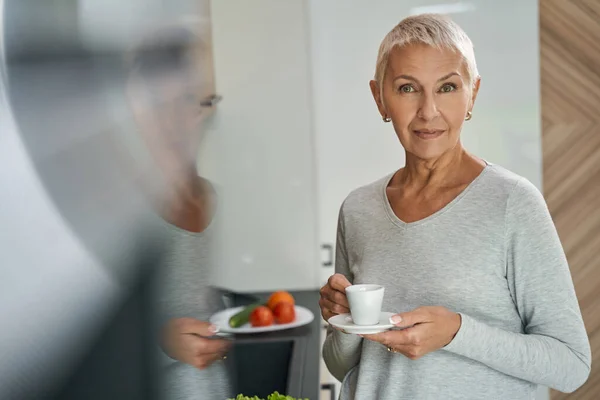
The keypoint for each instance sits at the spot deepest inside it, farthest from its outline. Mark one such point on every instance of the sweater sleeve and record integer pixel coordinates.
(554, 350)
(341, 351)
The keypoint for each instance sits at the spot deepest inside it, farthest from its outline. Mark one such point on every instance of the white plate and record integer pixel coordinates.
(345, 323)
(221, 319)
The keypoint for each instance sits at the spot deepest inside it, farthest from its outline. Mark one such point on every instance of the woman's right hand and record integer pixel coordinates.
(333, 297)
(188, 340)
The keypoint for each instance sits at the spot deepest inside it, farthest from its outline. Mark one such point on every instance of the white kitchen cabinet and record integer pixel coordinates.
(260, 150)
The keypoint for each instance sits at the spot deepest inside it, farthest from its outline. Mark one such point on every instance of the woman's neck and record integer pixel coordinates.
(445, 171)
(188, 200)
(184, 188)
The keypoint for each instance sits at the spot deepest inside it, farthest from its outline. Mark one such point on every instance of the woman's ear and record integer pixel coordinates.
(475, 91)
(376, 91)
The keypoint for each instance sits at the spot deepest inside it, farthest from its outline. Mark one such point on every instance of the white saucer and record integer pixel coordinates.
(345, 323)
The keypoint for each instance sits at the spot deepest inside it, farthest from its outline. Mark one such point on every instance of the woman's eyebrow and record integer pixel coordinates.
(412, 78)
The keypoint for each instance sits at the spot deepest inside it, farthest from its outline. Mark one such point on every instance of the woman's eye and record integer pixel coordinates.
(448, 87)
(406, 89)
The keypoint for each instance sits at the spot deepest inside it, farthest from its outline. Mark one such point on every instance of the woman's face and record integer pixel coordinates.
(427, 94)
(177, 111)
(171, 115)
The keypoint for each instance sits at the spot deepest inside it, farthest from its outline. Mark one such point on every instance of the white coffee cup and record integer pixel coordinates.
(365, 303)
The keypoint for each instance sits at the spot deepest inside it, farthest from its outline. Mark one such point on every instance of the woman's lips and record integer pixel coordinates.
(428, 134)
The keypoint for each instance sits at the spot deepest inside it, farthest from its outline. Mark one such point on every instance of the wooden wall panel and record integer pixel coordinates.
(570, 74)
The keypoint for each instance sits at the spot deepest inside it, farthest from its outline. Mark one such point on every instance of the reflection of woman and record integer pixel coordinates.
(167, 96)
(467, 250)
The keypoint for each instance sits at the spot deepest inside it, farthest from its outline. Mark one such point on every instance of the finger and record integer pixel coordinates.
(339, 282)
(385, 338)
(340, 298)
(206, 360)
(391, 338)
(200, 347)
(196, 327)
(213, 346)
(411, 352)
(327, 315)
(333, 307)
(411, 318)
(211, 351)
(335, 296)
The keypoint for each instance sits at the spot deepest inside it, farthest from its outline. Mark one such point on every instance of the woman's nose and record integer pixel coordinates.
(428, 108)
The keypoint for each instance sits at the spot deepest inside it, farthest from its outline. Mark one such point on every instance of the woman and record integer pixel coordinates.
(170, 100)
(466, 250)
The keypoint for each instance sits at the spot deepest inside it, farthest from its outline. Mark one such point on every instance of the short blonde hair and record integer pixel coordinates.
(435, 30)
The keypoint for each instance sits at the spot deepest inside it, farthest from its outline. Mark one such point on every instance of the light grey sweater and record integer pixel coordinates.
(184, 291)
(493, 255)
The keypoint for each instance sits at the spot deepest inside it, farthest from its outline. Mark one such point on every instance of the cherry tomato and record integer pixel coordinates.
(284, 313)
(261, 316)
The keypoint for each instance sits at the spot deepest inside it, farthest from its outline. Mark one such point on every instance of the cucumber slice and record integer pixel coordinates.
(243, 317)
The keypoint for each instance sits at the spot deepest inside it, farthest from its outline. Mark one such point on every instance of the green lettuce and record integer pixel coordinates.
(274, 396)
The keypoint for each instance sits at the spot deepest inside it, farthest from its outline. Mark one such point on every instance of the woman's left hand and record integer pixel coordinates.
(427, 329)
